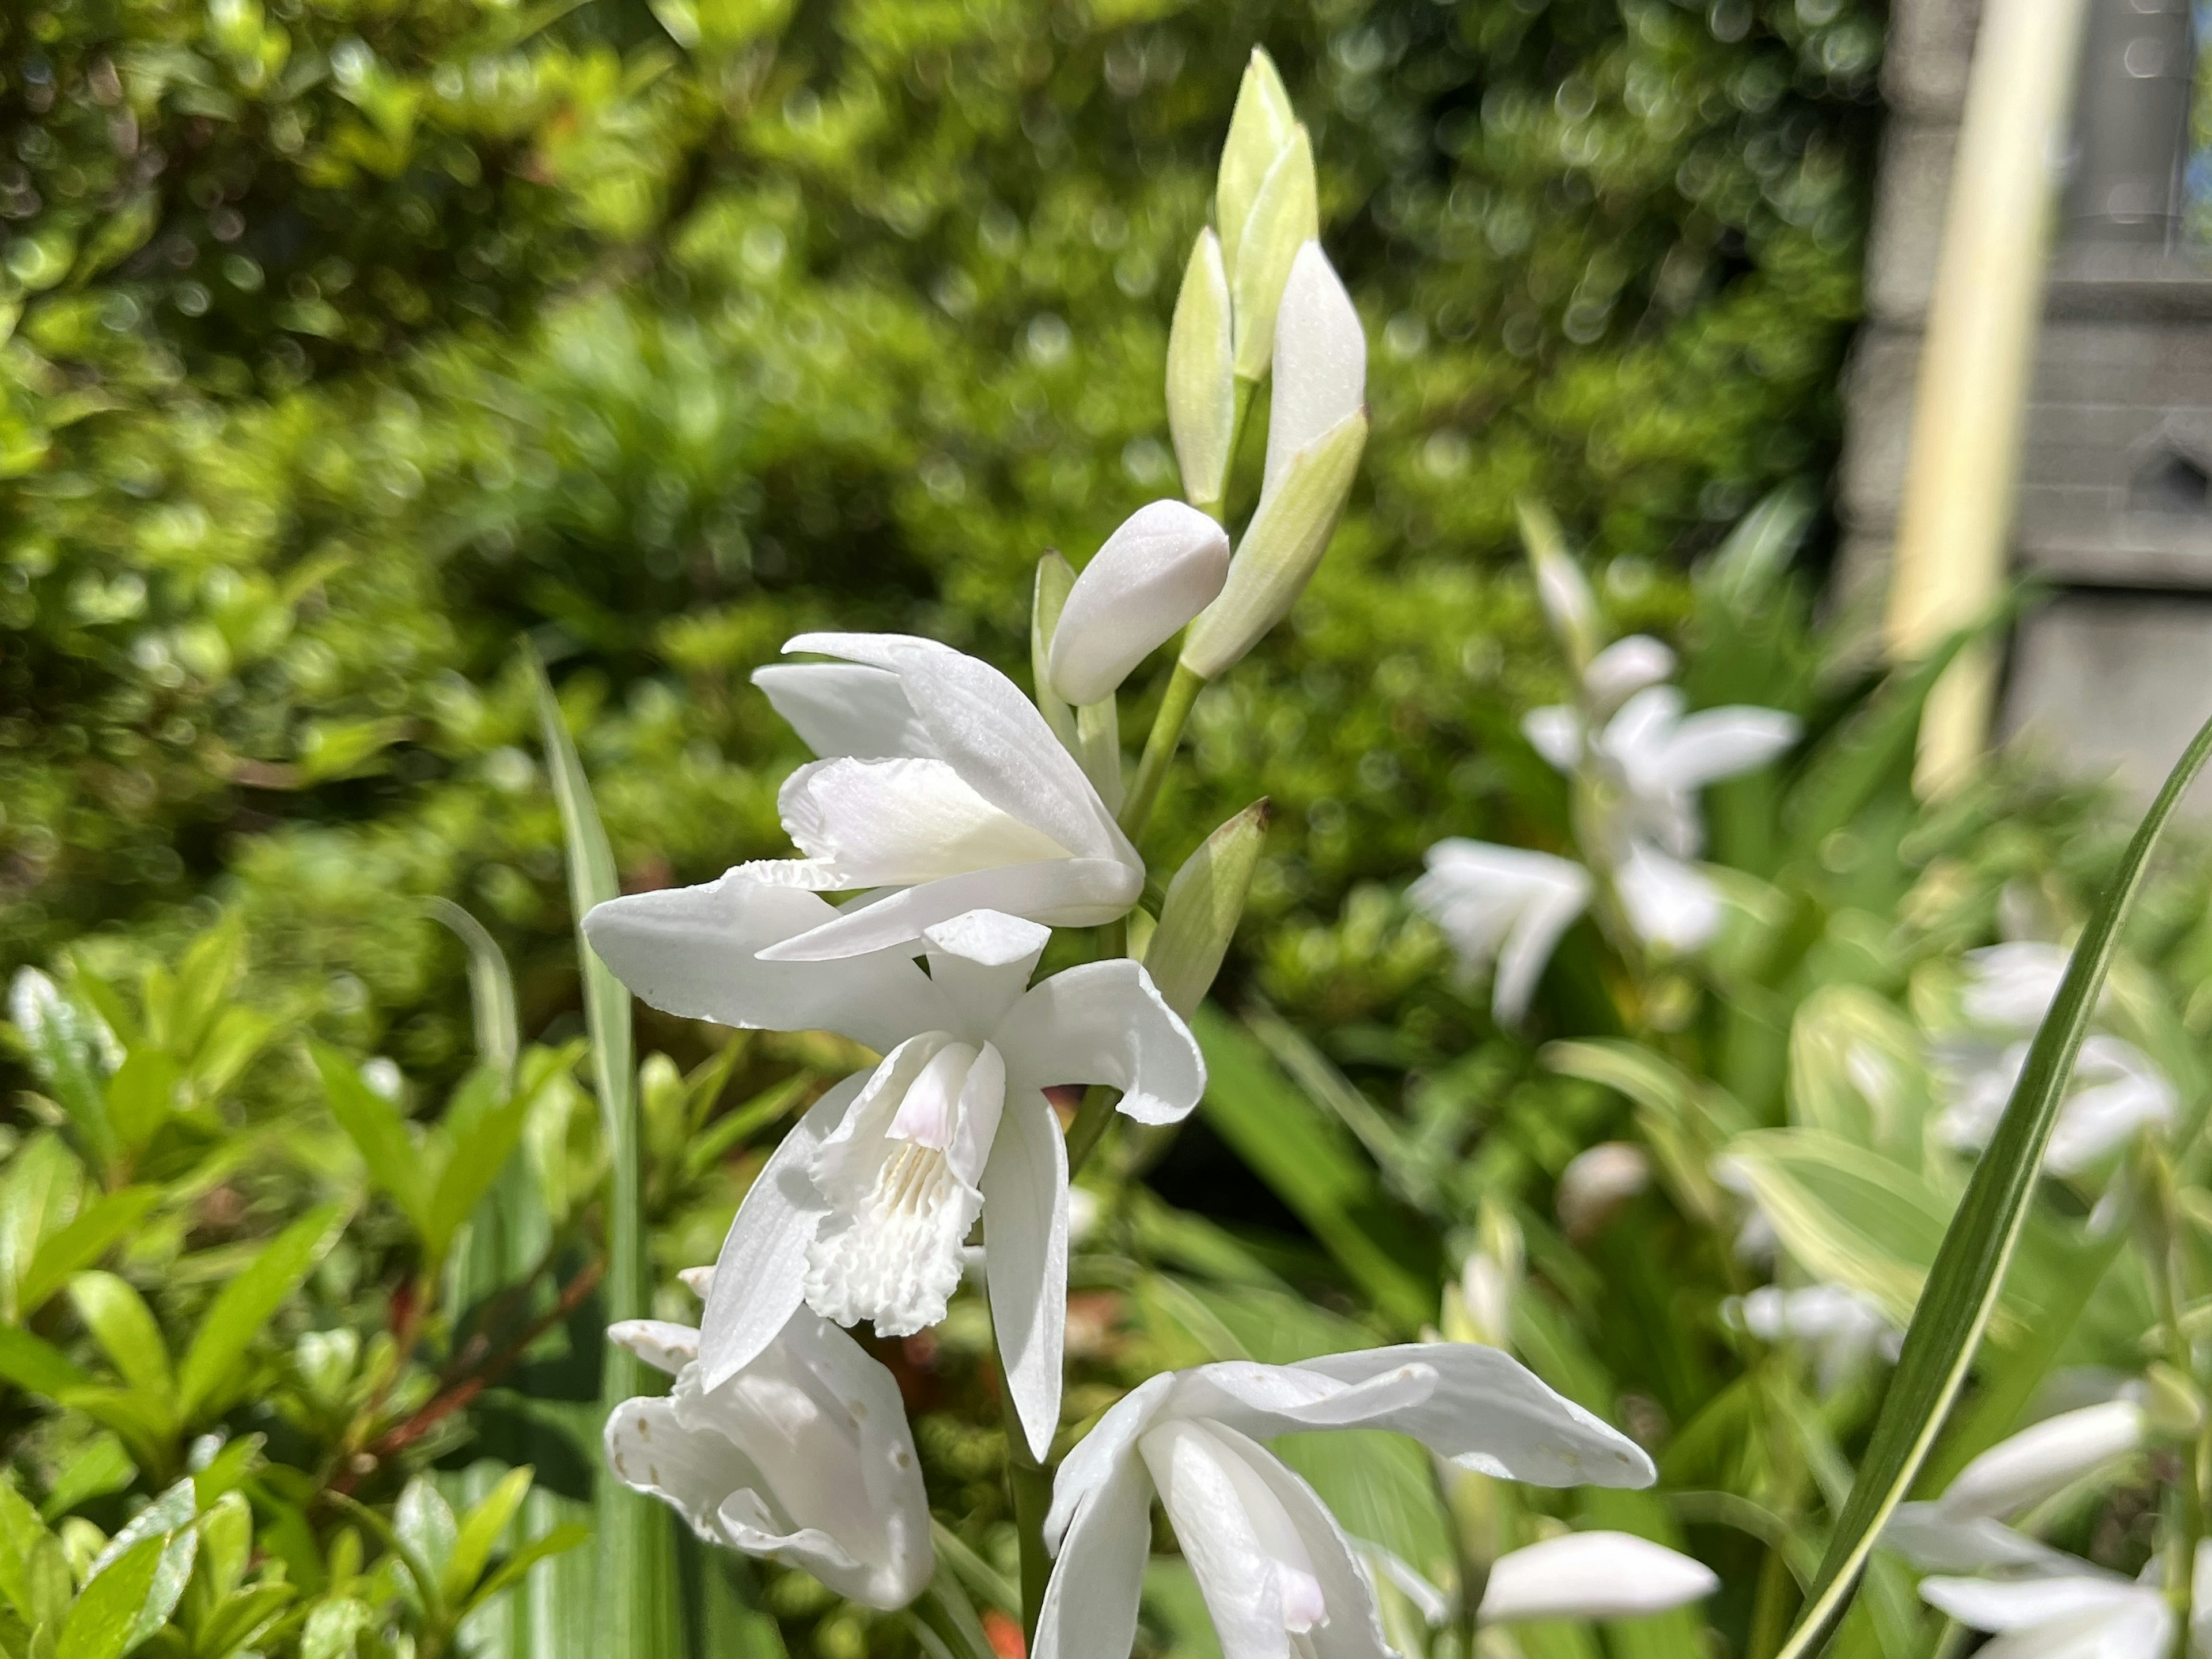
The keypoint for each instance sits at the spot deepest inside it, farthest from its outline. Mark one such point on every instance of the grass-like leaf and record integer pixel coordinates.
(638, 1593)
(1963, 1285)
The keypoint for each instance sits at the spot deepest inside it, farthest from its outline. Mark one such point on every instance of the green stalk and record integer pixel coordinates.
(1030, 1485)
(1183, 688)
(946, 1612)
(639, 1596)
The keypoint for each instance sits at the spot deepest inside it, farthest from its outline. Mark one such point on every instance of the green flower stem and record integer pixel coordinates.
(1030, 1484)
(946, 1613)
(1183, 688)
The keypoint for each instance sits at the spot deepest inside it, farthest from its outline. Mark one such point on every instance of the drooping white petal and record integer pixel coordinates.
(2046, 1458)
(760, 1275)
(1026, 1254)
(1164, 564)
(1105, 1022)
(1555, 731)
(1592, 1575)
(2014, 984)
(1504, 903)
(2116, 1089)
(1090, 1604)
(982, 725)
(846, 708)
(1489, 1412)
(899, 1178)
(1668, 901)
(1321, 359)
(1936, 1541)
(990, 938)
(1252, 1566)
(2011, 1604)
(693, 1471)
(691, 952)
(1715, 744)
(893, 822)
(1625, 667)
(1351, 1625)
(1110, 1445)
(661, 1344)
(1059, 892)
(1265, 1400)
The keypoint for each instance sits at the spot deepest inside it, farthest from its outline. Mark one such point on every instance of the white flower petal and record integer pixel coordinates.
(1321, 359)
(1105, 1022)
(1625, 667)
(1592, 1575)
(691, 951)
(2012, 985)
(1059, 892)
(846, 708)
(761, 1274)
(2046, 1458)
(892, 822)
(1250, 1566)
(2009, 1604)
(990, 937)
(651, 1451)
(662, 1345)
(1934, 1541)
(1090, 1604)
(1025, 1256)
(1488, 1411)
(1164, 564)
(1715, 744)
(982, 724)
(1555, 731)
(1353, 1626)
(700, 1281)
(1264, 1401)
(1110, 1445)
(1502, 902)
(2116, 1089)
(1668, 901)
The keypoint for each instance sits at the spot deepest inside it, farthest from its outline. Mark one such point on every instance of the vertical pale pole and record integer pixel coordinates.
(1974, 367)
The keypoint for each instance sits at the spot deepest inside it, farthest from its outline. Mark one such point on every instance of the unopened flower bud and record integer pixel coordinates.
(2044, 1458)
(1286, 215)
(1204, 903)
(1259, 126)
(1165, 564)
(1317, 430)
(1055, 578)
(1201, 384)
(1592, 1575)
(1489, 1282)
(1560, 587)
(1597, 1183)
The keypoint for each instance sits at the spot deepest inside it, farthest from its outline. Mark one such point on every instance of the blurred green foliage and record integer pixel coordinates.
(352, 341)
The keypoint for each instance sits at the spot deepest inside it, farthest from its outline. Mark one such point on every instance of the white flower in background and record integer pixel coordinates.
(939, 780)
(1962, 1531)
(1592, 1575)
(1841, 1328)
(1597, 1181)
(861, 1211)
(1501, 905)
(1163, 566)
(1316, 429)
(2067, 1608)
(2116, 1089)
(1278, 1574)
(802, 1456)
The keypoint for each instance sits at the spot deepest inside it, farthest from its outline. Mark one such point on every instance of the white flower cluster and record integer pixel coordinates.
(1638, 761)
(970, 820)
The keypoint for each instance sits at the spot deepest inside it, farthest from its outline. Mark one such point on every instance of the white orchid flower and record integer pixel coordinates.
(861, 1211)
(2063, 1607)
(1270, 1560)
(801, 1456)
(2012, 985)
(939, 780)
(1596, 1182)
(1592, 1575)
(1840, 1326)
(1624, 668)
(1669, 903)
(1502, 905)
(1162, 566)
(2116, 1091)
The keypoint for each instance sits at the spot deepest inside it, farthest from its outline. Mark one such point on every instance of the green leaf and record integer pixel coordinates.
(249, 1301)
(376, 1128)
(638, 1592)
(491, 987)
(482, 1132)
(1313, 1166)
(65, 1046)
(141, 1096)
(423, 1522)
(123, 1325)
(35, 1366)
(511, 1571)
(98, 1466)
(479, 1533)
(38, 1195)
(1970, 1269)
(103, 1619)
(81, 1243)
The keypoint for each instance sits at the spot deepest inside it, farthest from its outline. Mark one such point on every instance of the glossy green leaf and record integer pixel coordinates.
(479, 1533)
(104, 1617)
(123, 1325)
(376, 1128)
(1969, 1272)
(247, 1302)
(98, 1228)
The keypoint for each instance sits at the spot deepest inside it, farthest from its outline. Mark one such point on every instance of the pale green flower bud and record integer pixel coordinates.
(1560, 587)
(1204, 903)
(1201, 379)
(1316, 431)
(1479, 1309)
(1055, 578)
(1258, 127)
(1098, 748)
(1286, 215)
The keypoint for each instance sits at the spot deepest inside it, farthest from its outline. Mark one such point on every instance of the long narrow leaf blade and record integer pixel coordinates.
(1970, 1266)
(638, 1591)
